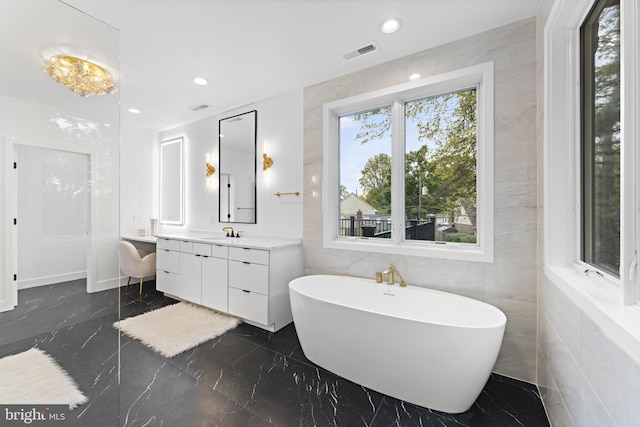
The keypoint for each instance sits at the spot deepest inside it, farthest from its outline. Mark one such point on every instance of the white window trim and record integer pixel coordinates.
(603, 299)
(479, 76)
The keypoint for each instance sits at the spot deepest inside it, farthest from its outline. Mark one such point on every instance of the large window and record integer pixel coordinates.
(410, 169)
(601, 138)
(592, 155)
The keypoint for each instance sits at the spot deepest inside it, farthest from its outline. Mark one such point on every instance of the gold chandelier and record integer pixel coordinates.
(83, 77)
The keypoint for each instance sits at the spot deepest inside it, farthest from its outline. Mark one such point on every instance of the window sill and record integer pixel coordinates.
(428, 250)
(603, 304)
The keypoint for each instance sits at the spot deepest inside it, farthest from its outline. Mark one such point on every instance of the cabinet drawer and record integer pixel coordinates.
(167, 282)
(167, 260)
(220, 251)
(249, 255)
(249, 305)
(186, 246)
(201, 249)
(248, 276)
(170, 244)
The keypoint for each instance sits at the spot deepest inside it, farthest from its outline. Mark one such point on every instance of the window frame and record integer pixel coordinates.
(480, 77)
(612, 305)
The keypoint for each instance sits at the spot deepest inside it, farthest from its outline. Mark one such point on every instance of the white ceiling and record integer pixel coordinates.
(250, 50)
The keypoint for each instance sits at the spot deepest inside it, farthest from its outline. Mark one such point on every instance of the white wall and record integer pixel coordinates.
(139, 174)
(280, 126)
(53, 215)
(510, 281)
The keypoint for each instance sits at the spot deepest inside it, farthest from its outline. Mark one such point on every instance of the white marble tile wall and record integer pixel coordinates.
(584, 378)
(508, 283)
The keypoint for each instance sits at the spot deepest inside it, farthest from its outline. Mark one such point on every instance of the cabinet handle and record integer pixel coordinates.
(247, 249)
(197, 255)
(246, 291)
(245, 262)
(166, 271)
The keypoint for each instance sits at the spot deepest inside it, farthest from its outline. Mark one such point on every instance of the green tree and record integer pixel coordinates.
(602, 141)
(446, 123)
(344, 193)
(376, 182)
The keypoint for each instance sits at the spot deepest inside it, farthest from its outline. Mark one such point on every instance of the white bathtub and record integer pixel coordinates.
(426, 347)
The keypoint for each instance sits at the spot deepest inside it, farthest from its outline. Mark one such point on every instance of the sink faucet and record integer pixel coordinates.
(390, 275)
(227, 230)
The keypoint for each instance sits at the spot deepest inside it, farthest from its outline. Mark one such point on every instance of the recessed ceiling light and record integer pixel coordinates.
(414, 76)
(134, 110)
(200, 81)
(390, 25)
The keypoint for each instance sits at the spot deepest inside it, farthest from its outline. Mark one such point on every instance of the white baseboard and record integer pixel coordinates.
(50, 280)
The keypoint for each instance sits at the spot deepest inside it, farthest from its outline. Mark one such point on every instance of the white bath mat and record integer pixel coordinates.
(176, 328)
(34, 378)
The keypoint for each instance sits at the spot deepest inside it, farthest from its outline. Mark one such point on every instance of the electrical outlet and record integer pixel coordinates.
(137, 218)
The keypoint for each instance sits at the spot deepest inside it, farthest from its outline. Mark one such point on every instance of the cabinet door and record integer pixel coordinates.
(167, 260)
(190, 278)
(249, 305)
(248, 276)
(167, 282)
(214, 283)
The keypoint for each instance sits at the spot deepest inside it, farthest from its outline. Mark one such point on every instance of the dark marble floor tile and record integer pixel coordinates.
(503, 403)
(286, 342)
(286, 392)
(147, 383)
(212, 356)
(246, 377)
(88, 352)
(252, 334)
(205, 407)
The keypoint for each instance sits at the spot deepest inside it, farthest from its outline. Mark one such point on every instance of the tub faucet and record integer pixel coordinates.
(390, 275)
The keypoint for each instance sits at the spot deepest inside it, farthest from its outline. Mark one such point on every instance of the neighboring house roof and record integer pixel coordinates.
(353, 203)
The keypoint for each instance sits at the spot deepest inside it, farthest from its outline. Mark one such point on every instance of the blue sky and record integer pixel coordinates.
(354, 155)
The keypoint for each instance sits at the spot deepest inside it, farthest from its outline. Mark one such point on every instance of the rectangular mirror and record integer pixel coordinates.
(171, 183)
(237, 148)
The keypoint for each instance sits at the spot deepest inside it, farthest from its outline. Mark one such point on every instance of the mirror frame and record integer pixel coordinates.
(255, 165)
(164, 175)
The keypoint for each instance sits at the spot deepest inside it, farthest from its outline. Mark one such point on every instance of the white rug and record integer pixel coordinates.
(34, 378)
(176, 328)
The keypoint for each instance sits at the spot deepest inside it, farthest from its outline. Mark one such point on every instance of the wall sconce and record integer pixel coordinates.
(210, 169)
(267, 161)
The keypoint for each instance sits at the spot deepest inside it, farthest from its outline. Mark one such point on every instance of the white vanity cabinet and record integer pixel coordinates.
(168, 266)
(251, 282)
(214, 278)
(259, 284)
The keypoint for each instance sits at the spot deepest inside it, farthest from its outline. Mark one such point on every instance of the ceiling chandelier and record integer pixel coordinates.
(83, 77)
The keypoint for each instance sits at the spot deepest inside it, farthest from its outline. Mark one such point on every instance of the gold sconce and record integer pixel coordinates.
(267, 162)
(210, 170)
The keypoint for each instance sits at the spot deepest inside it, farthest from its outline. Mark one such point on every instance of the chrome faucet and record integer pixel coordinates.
(390, 275)
(227, 230)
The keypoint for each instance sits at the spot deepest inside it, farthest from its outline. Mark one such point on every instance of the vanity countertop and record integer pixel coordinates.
(241, 242)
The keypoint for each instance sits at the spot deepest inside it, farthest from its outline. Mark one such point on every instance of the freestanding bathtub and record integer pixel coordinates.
(423, 346)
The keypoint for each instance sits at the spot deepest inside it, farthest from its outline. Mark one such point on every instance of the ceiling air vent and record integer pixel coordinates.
(198, 107)
(369, 47)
